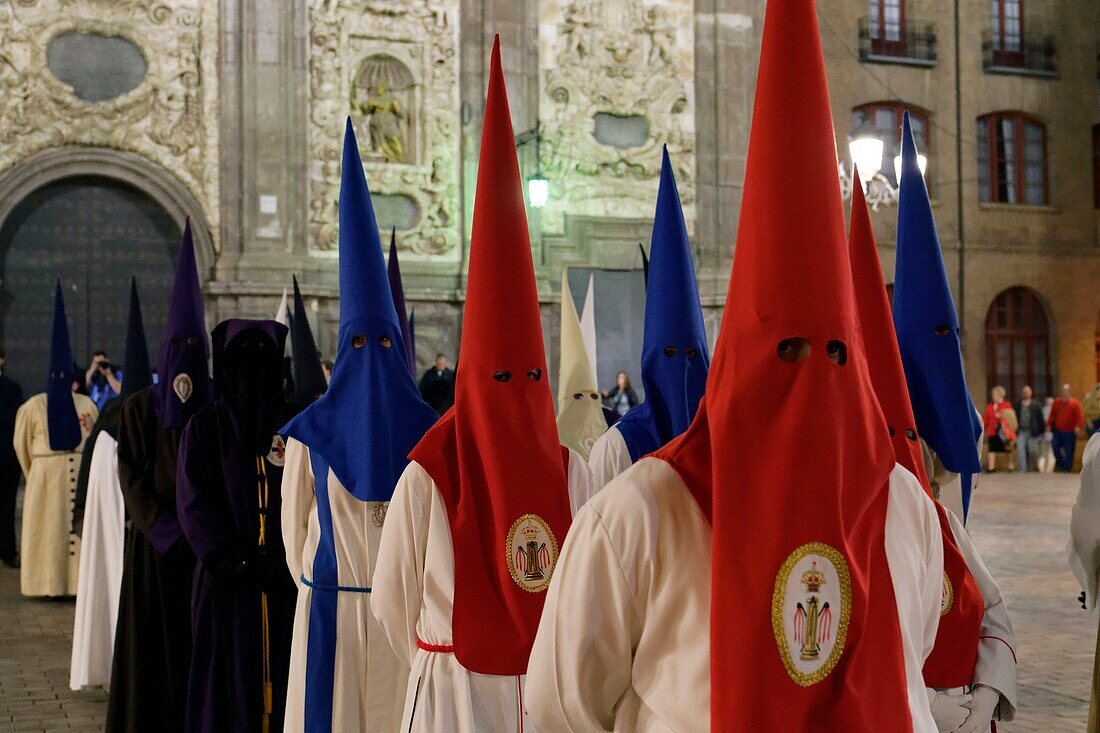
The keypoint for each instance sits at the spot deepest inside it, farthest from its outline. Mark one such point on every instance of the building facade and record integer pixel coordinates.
(121, 118)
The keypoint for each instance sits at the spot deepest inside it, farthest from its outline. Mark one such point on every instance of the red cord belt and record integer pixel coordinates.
(439, 648)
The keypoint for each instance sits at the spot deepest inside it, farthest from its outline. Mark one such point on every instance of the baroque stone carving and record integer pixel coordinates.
(393, 66)
(170, 117)
(621, 58)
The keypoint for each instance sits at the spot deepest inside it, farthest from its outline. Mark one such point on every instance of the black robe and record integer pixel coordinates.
(153, 638)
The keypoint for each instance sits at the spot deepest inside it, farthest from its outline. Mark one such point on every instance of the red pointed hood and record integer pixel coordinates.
(803, 617)
(951, 663)
(495, 456)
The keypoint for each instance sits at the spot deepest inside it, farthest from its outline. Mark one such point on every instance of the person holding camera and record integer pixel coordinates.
(104, 382)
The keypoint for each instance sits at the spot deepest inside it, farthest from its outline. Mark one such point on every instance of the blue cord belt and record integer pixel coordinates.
(337, 588)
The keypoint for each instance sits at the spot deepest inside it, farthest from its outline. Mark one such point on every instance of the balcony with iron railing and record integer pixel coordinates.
(910, 43)
(1031, 53)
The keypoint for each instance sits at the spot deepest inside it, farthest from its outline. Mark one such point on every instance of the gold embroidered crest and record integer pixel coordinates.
(531, 552)
(378, 513)
(811, 607)
(947, 600)
(182, 386)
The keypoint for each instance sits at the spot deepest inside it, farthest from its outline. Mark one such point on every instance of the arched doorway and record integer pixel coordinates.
(1017, 338)
(95, 233)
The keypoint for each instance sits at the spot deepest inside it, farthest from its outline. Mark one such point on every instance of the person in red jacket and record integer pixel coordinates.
(1066, 422)
(998, 431)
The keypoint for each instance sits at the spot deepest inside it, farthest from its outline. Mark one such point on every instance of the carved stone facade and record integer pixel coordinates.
(170, 118)
(391, 65)
(620, 60)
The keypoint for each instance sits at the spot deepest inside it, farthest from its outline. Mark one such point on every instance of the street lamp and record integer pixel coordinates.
(538, 186)
(865, 148)
(538, 190)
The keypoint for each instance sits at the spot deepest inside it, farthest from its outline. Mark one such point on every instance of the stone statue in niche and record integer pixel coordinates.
(383, 93)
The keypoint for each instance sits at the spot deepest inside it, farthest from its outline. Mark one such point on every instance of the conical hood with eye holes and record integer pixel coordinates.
(951, 663)
(495, 456)
(803, 618)
(309, 378)
(371, 415)
(580, 412)
(62, 422)
(675, 359)
(183, 386)
(928, 327)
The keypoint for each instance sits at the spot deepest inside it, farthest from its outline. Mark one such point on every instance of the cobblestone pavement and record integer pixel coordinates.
(1018, 523)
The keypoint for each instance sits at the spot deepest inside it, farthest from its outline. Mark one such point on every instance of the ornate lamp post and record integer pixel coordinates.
(865, 150)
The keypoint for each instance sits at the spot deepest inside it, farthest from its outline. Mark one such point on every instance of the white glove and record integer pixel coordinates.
(982, 706)
(949, 711)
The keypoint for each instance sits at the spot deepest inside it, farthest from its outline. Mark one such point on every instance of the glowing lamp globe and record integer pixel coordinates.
(538, 191)
(922, 163)
(866, 152)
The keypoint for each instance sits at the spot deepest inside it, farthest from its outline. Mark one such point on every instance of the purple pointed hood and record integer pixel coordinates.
(184, 381)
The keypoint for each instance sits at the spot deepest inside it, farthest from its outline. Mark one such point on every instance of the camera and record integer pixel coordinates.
(103, 364)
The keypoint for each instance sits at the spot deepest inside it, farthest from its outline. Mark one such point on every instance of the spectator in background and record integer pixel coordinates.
(1091, 407)
(1032, 427)
(999, 432)
(1046, 453)
(326, 369)
(102, 381)
(11, 397)
(622, 396)
(437, 386)
(1066, 422)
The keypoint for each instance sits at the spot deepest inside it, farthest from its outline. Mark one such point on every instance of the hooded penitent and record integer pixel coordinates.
(674, 343)
(248, 377)
(393, 271)
(928, 329)
(495, 456)
(803, 615)
(183, 385)
(62, 422)
(137, 371)
(580, 412)
(951, 663)
(309, 379)
(371, 416)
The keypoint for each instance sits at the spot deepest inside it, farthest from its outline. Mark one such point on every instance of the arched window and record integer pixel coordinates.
(886, 118)
(1018, 343)
(1012, 159)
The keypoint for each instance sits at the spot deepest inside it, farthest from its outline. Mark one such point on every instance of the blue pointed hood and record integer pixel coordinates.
(183, 386)
(675, 359)
(393, 271)
(372, 415)
(928, 327)
(62, 422)
(137, 372)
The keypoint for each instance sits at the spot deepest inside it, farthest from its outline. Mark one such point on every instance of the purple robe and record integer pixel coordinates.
(218, 506)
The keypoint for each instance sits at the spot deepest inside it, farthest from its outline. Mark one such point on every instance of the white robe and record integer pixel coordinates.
(413, 599)
(995, 666)
(624, 643)
(50, 551)
(1084, 524)
(368, 684)
(609, 458)
(100, 581)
